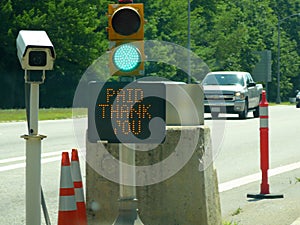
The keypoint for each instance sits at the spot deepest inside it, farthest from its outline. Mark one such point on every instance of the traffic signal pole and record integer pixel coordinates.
(126, 35)
(128, 210)
(128, 202)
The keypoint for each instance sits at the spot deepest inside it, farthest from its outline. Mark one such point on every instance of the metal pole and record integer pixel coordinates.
(189, 42)
(34, 108)
(33, 180)
(128, 202)
(278, 99)
(33, 159)
(45, 210)
(127, 156)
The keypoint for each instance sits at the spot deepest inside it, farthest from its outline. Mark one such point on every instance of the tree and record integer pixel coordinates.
(289, 48)
(224, 34)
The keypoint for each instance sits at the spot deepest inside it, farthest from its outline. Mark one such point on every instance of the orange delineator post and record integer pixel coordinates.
(67, 214)
(77, 180)
(264, 143)
(264, 151)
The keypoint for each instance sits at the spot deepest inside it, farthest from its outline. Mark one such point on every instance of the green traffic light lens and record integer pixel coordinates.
(126, 57)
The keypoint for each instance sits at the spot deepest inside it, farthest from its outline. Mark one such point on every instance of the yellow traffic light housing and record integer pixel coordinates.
(126, 35)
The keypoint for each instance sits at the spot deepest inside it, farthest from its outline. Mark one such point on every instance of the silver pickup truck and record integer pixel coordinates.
(231, 92)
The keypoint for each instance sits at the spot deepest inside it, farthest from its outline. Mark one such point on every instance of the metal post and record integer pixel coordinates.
(34, 109)
(189, 42)
(127, 157)
(128, 202)
(33, 160)
(278, 99)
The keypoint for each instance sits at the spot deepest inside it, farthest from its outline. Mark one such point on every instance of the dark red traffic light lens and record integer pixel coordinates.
(126, 21)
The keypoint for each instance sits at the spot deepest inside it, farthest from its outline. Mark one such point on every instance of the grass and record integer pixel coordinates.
(237, 211)
(282, 103)
(12, 115)
(230, 223)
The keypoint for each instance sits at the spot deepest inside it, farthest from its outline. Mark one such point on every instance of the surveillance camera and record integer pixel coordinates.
(35, 50)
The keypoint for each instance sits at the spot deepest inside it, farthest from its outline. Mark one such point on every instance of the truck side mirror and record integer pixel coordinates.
(251, 84)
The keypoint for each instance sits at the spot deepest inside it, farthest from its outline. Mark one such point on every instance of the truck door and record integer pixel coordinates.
(251, 91)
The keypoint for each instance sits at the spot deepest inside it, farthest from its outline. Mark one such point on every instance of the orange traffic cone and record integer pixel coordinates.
(76, 177)
(67, 214)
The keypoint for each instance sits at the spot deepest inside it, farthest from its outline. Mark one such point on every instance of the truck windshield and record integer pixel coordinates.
(223, 79)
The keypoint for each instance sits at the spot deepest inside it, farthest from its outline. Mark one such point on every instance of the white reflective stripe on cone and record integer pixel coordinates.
(264, 122)
(65, 178)
(76, 176)
(263, 111)
(67, 203)
(79, 195)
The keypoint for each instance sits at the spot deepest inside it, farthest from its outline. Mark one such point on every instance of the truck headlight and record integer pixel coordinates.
(239, 95)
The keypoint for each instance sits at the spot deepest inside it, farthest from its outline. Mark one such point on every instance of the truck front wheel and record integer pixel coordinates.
(244, 113)
(256, 112)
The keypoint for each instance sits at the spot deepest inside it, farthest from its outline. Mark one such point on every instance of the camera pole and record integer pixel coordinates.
(36, 54)
(33, 154)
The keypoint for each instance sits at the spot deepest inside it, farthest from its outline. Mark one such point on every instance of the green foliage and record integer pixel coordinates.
(230, 223)
(224, 34)
(237, 211)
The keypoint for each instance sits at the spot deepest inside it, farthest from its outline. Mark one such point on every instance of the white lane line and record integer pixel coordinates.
(12, 159)
(23, 165)
(21, 158)
(238, 182)
(226, 186)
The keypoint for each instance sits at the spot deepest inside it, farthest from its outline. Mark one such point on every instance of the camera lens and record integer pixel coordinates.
(37, 58)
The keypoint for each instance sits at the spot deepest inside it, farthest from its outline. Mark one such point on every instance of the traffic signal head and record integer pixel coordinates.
(126, 34)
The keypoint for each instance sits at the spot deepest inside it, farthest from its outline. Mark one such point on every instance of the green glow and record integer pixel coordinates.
(127, 57)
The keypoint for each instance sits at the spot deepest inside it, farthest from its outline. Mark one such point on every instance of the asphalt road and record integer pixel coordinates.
(236, 156)
(239, 157)
(60, 137)
(240, 144)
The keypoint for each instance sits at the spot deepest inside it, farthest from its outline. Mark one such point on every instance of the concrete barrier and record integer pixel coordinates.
(190, 197)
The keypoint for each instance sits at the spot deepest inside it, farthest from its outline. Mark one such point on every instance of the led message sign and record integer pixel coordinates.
(130, 112)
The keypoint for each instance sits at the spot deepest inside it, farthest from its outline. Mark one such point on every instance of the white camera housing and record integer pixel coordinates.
(35, 50)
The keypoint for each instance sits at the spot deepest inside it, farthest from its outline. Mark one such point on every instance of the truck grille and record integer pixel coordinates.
(223, 97)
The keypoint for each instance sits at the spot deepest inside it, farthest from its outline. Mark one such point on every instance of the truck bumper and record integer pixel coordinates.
(223, 106)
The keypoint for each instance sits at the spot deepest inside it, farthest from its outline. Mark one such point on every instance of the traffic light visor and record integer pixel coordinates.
(126, 21)
(126, 57)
